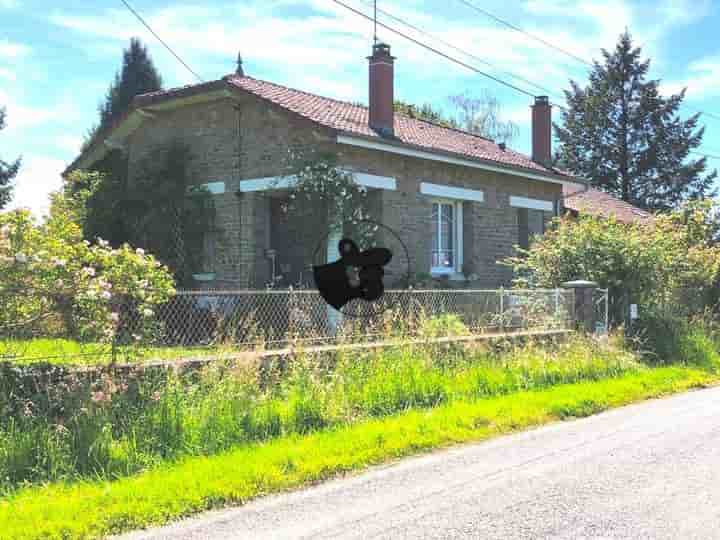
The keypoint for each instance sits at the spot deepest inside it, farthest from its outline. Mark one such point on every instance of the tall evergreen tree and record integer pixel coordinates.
(627, 139)
(138, 75)
(8, 171)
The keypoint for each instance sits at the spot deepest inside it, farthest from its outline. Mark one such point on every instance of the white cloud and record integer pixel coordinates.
(21, 116)
(703, 80)
(69, 143)
(38, 177)
(9, 49)
(7, 74)
(9, 4)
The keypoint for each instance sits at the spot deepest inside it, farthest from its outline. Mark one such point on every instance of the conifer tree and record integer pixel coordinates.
(620, 133)
(8, 171)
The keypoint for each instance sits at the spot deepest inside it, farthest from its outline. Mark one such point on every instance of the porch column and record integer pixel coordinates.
(333, 254)
(584, 307)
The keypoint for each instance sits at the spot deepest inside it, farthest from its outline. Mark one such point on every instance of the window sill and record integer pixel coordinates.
(451, 275)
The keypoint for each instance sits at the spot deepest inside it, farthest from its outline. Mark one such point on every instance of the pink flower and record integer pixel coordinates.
(99, 396)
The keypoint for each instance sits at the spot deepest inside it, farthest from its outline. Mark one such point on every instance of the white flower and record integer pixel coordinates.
(89, 270)
(114, 317)
(103, 243)
(21, 257)
(58, 262)
(147, 312)
(140, 251)
(107, 295)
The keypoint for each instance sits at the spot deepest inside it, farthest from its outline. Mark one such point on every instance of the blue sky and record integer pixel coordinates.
(57, 58)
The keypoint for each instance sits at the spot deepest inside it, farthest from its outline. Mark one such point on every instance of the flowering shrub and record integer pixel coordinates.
(52, 279)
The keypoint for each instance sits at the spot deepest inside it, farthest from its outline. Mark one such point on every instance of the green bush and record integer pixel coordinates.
(675, 260)
(667, 337)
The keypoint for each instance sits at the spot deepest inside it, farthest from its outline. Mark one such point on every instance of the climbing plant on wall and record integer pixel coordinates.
(167, 214)
(318, 184)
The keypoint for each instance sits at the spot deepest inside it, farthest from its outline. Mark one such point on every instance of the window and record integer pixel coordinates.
(446, 237)
(531, 223)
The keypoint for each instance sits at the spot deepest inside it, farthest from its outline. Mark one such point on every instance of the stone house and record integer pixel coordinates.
(458, 201)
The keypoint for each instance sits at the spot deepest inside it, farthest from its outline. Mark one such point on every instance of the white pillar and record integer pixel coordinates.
(333, 254)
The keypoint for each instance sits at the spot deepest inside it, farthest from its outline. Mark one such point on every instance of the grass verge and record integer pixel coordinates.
(94, 509)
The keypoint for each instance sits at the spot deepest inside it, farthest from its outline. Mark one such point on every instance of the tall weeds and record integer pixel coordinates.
(116, 428)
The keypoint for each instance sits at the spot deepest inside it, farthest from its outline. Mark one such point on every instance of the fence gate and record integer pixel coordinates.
(601, 314)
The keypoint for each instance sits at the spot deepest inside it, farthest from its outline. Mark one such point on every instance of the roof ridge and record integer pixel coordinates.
(231, 76)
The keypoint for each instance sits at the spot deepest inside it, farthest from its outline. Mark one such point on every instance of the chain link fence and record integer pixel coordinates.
(196, 323)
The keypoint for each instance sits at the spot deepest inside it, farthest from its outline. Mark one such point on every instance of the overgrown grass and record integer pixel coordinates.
(94, 509)
(83, 459)
(68, 352)
(119, 427)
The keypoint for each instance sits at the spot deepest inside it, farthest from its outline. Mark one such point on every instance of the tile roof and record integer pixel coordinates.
(353, 119)
(598, 203)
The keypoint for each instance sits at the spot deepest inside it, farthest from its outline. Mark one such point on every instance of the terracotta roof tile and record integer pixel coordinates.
(598, 203)
(353, 119)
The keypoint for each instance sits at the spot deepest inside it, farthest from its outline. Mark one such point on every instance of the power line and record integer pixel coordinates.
(458, 49)
(436, 51)
(139, 17)
(560, 49)
(524, 32)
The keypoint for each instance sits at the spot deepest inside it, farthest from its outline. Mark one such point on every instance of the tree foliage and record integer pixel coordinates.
(479, 115)
(8, 171)
(628, 139)
(166, 214)
(332, 193)
(138, 75)
(424, 112)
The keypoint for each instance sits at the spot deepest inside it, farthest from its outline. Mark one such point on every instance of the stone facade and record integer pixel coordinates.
(238, 138)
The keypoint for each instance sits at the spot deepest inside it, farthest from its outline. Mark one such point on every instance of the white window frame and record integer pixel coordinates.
(457, 233)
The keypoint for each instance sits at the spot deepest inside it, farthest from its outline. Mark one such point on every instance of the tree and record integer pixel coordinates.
(627, 139)
(8, 171)
(481, 115)
(478, 115)
(424, 112)
(138, 75)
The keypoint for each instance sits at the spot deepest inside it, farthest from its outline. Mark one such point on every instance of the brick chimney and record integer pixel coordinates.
(541, 134)
(381, 112)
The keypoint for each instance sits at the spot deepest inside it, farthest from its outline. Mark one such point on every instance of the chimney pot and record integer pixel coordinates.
(381, 114)
(541, 131)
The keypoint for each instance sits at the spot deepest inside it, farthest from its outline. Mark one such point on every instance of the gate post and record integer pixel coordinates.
(584, 308)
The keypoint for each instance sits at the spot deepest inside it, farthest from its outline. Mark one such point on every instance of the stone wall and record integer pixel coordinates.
(229, 144)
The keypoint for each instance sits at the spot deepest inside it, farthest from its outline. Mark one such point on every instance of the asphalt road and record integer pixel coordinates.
(650, 470)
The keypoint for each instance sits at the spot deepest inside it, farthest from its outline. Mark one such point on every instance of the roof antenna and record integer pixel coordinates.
(375, 40)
